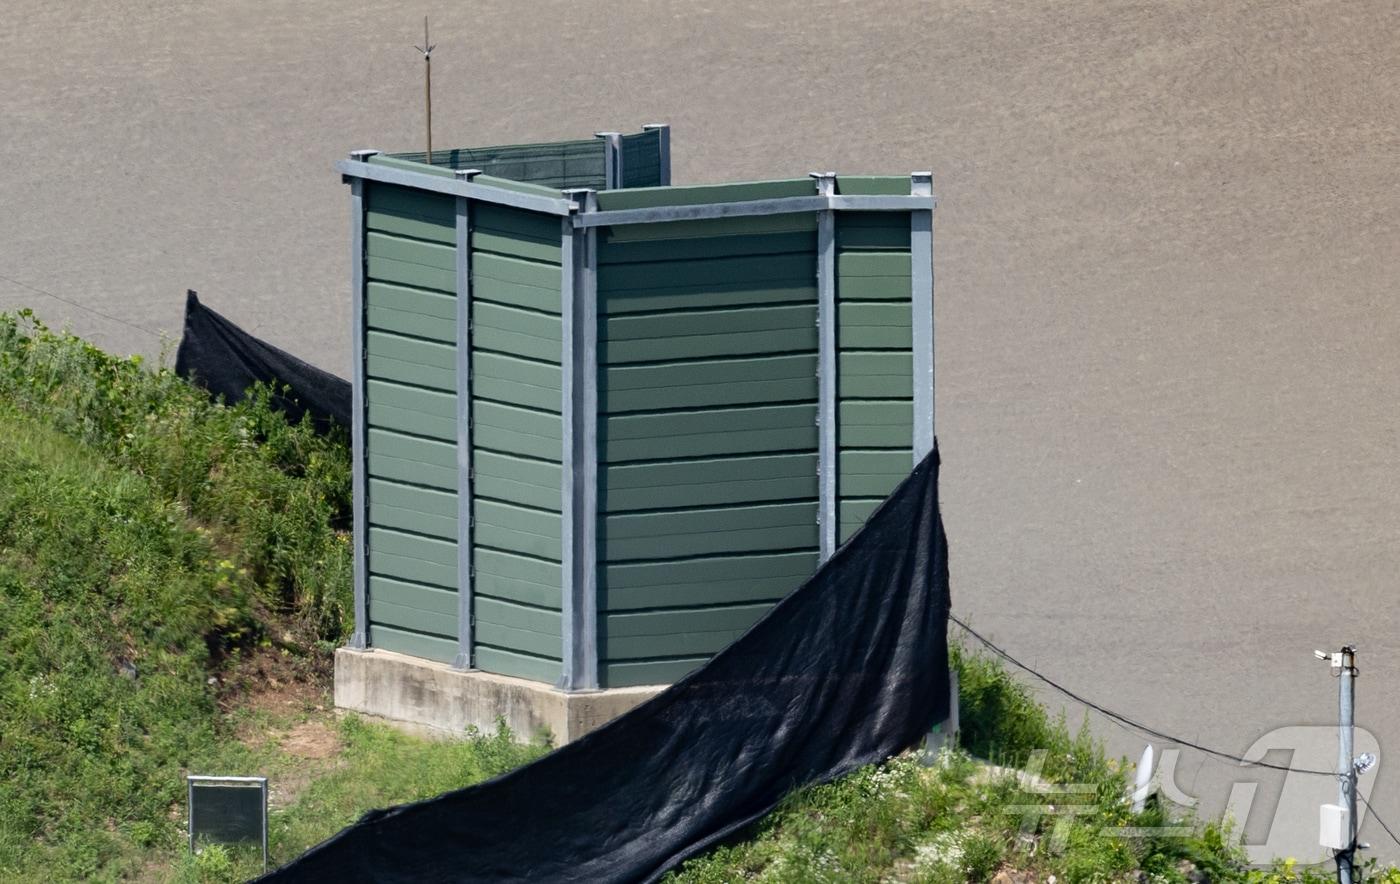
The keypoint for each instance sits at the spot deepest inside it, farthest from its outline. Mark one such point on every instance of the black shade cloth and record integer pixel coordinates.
(848, 670)
(226, 360)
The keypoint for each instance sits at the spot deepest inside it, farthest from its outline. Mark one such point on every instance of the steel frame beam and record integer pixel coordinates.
(580, 469)
(359, 639)
(746, 208)
(921, 297)
(827, 506)
(462, 241)
(485, 193)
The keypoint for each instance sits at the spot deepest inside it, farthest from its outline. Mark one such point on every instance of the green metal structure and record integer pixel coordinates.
(604, 423)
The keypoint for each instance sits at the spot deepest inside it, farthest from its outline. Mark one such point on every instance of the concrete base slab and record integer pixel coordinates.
(423, 695)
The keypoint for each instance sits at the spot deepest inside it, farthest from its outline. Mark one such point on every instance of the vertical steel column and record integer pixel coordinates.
(827, 506)
(921, 276)
(464, 426)
(359, 639)
(612, 159)
(580, 407)
(663, 132)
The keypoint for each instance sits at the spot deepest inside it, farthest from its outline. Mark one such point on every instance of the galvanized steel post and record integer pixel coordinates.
(580, 469)
(462, 242)
(827, 509)
(921, 296)
(359, 639)
(663, 148)
(612, 159)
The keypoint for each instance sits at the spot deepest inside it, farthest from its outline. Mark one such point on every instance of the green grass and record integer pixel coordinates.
(960, 819)
(150, 541)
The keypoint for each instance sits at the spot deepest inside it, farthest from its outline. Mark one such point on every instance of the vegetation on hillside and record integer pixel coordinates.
(153, 544)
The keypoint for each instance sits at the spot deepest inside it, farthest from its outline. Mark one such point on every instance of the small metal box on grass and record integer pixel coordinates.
(601, 423)
(228, 810)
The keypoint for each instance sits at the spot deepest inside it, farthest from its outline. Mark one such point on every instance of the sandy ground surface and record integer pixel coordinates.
(1167, 254)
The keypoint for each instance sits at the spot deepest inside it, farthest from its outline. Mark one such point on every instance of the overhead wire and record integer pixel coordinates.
(1125, 720)
(84, 307)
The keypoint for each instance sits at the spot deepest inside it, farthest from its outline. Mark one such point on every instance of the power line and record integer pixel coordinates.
(1128, 722)
(71, 303)
(1377, 817)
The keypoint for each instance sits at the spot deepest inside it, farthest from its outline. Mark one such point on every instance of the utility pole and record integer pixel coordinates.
(1348, 767)
(427, 50)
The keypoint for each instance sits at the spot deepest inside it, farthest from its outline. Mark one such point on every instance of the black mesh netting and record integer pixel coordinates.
(848, 670)
(226, 360)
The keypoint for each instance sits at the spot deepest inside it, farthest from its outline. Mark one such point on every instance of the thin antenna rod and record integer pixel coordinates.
(427, 50)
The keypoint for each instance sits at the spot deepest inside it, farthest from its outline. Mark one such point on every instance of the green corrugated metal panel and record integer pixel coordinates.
(413, 557)
(518, 529)
(697, 334)
(707, 439)
(641, 159)
(882, 374)
(633, 673)
(548, 164)
(423, 412)
(518, 332)
(410, 251)
(649, 197)
(506, 662)
(617, 250)
(873, 230)
(867, 473)
(526, 382)
(707, 482)
(873, 185)
(438, 211)
(507, 624)
(413, 508)
(411, 459)
(875, 362)
(708, 383)
(415, 644)
(534, 483)
(486, 288)
(388, 613)
(710, 433)
(519, 271)
(799, 223)
(513, 246)
(412, 368)
(517, 578)
(699, 297)
(428, 599)
(719, 531)
(523, 226)
(616, 627)
(747, 270)
(874, 325)
(712, 581)
(876, 424)
(512, 430)
(414, 312)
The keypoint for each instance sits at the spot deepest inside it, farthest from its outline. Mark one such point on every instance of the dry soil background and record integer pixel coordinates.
(1167, 253)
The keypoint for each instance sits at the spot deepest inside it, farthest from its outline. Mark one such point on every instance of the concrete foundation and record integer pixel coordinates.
(422, 695)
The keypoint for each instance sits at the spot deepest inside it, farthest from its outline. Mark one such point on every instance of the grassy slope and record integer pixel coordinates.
(151, 541)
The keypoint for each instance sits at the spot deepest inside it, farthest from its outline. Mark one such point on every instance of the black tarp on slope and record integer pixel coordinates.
(848, 670)
(224, 359)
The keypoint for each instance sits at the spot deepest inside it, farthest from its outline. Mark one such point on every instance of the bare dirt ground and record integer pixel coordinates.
(1167, 254)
